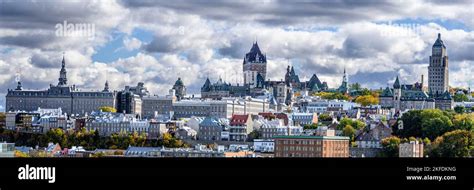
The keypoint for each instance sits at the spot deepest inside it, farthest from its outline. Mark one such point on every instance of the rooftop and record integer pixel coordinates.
(312, 137)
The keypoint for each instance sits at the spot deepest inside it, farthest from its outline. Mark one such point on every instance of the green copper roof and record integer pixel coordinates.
(387, 92)
(439, 42)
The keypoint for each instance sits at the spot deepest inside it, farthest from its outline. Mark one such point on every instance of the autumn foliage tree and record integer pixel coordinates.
(367, 100)
(457, 143)
(107, 109)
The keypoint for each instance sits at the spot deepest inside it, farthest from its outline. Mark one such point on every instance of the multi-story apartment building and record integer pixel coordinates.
(110, 123)
(269, 129)
(302, 119)
(224, 108)
(157, 105)
(322, 106)
(311, 146)
(211, 128)
(240, 127)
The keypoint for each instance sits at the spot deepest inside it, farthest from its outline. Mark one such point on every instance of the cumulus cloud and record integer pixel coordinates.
(131, 44)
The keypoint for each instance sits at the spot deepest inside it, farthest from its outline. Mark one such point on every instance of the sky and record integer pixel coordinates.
(155, 42)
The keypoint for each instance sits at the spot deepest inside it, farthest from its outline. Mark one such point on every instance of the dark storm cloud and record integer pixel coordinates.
(461, 52)
(160, 44)
(363, 46)
(236, 49)
(42, 61)
(272, 12)
(43, 14)
(28, 40)
(362, 78)
(307, 67)
(32, 24)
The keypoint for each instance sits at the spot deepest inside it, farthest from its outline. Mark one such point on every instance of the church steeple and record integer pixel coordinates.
(106, 87)
(344, 78)
(62, 74)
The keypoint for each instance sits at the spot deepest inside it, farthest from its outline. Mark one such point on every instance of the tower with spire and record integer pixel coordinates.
(397, 93)
(106, 87)
(255, 62)
(343, 88)
(62, 74)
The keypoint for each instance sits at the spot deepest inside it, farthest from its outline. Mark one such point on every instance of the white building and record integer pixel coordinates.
(109, 123)
(322, 106)
(263, 145)
(276, 128)
(194, 122)
(7, 149)
(301, 119)
(413, 149)
(468, 105)
(41, 120)
(224, 108)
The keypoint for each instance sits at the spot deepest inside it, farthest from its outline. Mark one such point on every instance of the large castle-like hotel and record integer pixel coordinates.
(255, 84)
(408, 96)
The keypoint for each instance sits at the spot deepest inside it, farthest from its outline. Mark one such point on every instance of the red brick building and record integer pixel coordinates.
(311, 146)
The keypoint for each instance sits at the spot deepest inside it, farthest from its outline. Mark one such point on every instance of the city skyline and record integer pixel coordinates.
(178, 39)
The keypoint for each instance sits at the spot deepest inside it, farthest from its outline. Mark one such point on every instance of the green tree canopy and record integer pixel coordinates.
(435, 123)
(324, 117)
(459, 109)
(457, 143)
(349, 131)
(310, 126)
(355, 86)
(460, 98)
(356, 124)
(464, 121)
(332, 95)
(424, 123)
(390, 146)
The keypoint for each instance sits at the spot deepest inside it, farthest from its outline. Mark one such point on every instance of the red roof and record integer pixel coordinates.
(265, 114)
(239, 119)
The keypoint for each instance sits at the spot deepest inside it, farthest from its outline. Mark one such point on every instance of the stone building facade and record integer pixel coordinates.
(69, 98)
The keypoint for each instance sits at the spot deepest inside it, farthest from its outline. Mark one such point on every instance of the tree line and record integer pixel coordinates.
(90, 140)
(443, 133)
